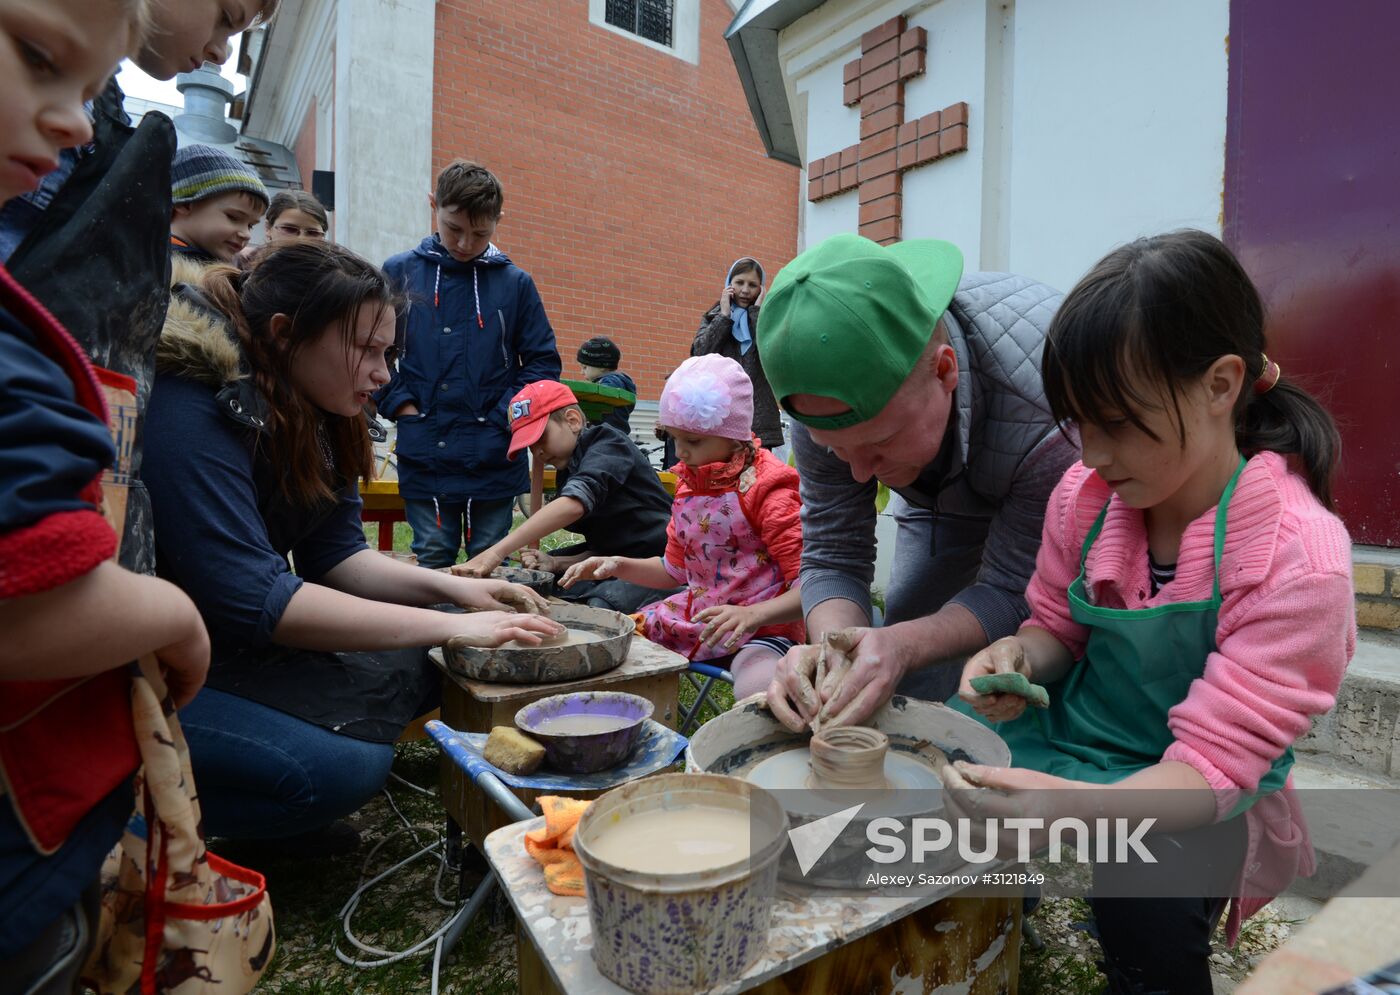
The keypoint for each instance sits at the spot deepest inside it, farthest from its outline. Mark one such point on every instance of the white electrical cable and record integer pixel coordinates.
(347, 911)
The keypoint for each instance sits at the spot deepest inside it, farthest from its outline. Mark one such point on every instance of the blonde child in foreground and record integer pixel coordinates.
(735, 537)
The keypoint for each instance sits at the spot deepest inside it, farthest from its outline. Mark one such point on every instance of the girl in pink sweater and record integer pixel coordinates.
(1191, 608)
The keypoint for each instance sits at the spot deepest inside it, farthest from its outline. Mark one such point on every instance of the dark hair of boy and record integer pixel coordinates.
(296, 200)
(318, 284)
(469, 187)
(1170, 306)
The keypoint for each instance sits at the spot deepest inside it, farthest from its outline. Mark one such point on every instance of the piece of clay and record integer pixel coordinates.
(1013, 683)
(512, 751)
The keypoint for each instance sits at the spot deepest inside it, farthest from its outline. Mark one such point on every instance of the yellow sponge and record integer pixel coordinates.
(513, 751)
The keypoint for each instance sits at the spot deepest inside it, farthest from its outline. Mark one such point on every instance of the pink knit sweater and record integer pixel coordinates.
(1287, 630)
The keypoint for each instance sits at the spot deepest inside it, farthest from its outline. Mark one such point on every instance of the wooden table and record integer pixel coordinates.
(819, 941)
(476, 706)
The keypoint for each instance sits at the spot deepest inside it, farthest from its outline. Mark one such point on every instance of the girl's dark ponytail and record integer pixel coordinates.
(1172, 305)
(1287, 419)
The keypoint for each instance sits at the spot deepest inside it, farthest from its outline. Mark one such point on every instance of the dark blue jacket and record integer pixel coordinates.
(618, 418)
(473, 335)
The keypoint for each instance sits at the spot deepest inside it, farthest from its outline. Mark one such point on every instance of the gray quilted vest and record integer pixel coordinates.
(997, 324)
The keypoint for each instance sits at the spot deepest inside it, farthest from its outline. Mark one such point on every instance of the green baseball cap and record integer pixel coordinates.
(849, 318)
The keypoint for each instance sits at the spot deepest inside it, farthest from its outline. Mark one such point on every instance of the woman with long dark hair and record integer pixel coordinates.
(255, 446)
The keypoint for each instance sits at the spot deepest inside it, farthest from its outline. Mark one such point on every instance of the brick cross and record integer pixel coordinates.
(889, 145)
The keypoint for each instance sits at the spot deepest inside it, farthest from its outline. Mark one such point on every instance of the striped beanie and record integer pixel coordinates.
(201, 171)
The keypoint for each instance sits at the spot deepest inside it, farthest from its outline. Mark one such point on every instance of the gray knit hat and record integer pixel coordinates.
(201, 171)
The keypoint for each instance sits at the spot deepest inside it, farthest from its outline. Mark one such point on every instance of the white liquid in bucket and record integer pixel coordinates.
(569, 637)
(582, 725)
(677, 841)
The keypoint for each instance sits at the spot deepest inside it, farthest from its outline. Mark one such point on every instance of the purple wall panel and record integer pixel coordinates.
(1312, 207)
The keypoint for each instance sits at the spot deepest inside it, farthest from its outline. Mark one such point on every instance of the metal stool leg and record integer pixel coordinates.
(690, 719)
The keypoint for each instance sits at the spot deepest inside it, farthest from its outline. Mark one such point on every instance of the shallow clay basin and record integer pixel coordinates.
(608, 635)
(586, 731)
(540, 581)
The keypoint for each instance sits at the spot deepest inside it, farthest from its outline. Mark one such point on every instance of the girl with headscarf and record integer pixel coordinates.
(729, 329)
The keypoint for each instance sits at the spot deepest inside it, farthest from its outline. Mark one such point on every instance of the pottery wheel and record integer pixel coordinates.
(915, 787)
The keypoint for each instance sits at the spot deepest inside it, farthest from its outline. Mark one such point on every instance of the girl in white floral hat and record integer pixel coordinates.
(735, 538)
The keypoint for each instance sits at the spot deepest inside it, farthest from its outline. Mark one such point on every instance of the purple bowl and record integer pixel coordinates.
(578, 750)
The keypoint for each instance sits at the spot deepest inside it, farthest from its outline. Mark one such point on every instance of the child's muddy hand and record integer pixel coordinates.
(534, 559)
(1005, 656)
(727, 625)
(480, 565)
(593, 568)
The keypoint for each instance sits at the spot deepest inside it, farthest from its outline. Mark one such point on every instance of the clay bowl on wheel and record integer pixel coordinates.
(539, 581)
(586, 731)
(598, 641)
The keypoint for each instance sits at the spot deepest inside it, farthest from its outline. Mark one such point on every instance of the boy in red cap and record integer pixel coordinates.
(605, 490)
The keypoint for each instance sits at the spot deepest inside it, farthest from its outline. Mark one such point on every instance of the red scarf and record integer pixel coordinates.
(720, 476)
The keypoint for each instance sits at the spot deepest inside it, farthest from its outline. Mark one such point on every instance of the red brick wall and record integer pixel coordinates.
(632, 178)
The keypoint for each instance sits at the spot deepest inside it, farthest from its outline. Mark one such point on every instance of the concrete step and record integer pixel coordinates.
(1353, 819)
(1362, 733)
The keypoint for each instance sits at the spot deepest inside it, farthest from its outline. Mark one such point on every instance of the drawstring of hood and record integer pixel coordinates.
(476, 294)
(433, 249)
(437, 511)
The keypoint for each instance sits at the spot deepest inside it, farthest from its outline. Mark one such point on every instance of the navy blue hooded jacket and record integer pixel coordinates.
(472, 336)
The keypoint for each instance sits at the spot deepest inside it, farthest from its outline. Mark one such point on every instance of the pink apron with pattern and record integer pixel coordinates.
(726, 563)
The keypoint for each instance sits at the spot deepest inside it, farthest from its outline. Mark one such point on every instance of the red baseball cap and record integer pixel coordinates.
(530, 410)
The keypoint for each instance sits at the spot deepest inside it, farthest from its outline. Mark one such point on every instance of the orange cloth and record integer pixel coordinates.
(553, 846)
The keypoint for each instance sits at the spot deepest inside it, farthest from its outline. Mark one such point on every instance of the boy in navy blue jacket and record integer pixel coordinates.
(474, 334)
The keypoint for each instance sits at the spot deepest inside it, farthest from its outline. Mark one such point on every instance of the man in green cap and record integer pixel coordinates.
(897, 368)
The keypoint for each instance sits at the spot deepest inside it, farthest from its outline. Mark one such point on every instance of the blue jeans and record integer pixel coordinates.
(436, 545)
(264, 774)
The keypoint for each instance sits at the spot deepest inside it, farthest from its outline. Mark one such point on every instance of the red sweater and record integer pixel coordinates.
(64, 744)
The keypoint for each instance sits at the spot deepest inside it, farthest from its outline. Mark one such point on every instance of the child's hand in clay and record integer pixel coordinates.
(593, 568)
(535, 559)
(1005, 656)
(727, 625)
(480, 565)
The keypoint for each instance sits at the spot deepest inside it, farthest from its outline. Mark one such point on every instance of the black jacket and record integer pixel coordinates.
(626, 510)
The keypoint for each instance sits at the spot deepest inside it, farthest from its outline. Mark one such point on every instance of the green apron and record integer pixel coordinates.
(1108, 716)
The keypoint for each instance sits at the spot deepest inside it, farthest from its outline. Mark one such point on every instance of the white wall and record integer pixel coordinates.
(383, 123)
(1090, 122)
(943, 199)
(1119, 127)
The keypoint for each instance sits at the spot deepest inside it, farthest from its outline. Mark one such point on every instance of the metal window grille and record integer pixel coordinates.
(650, 19)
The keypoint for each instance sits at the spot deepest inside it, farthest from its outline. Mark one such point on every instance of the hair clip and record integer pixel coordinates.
(1268, 377)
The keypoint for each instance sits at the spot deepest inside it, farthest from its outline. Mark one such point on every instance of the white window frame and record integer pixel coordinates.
(685, 29)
